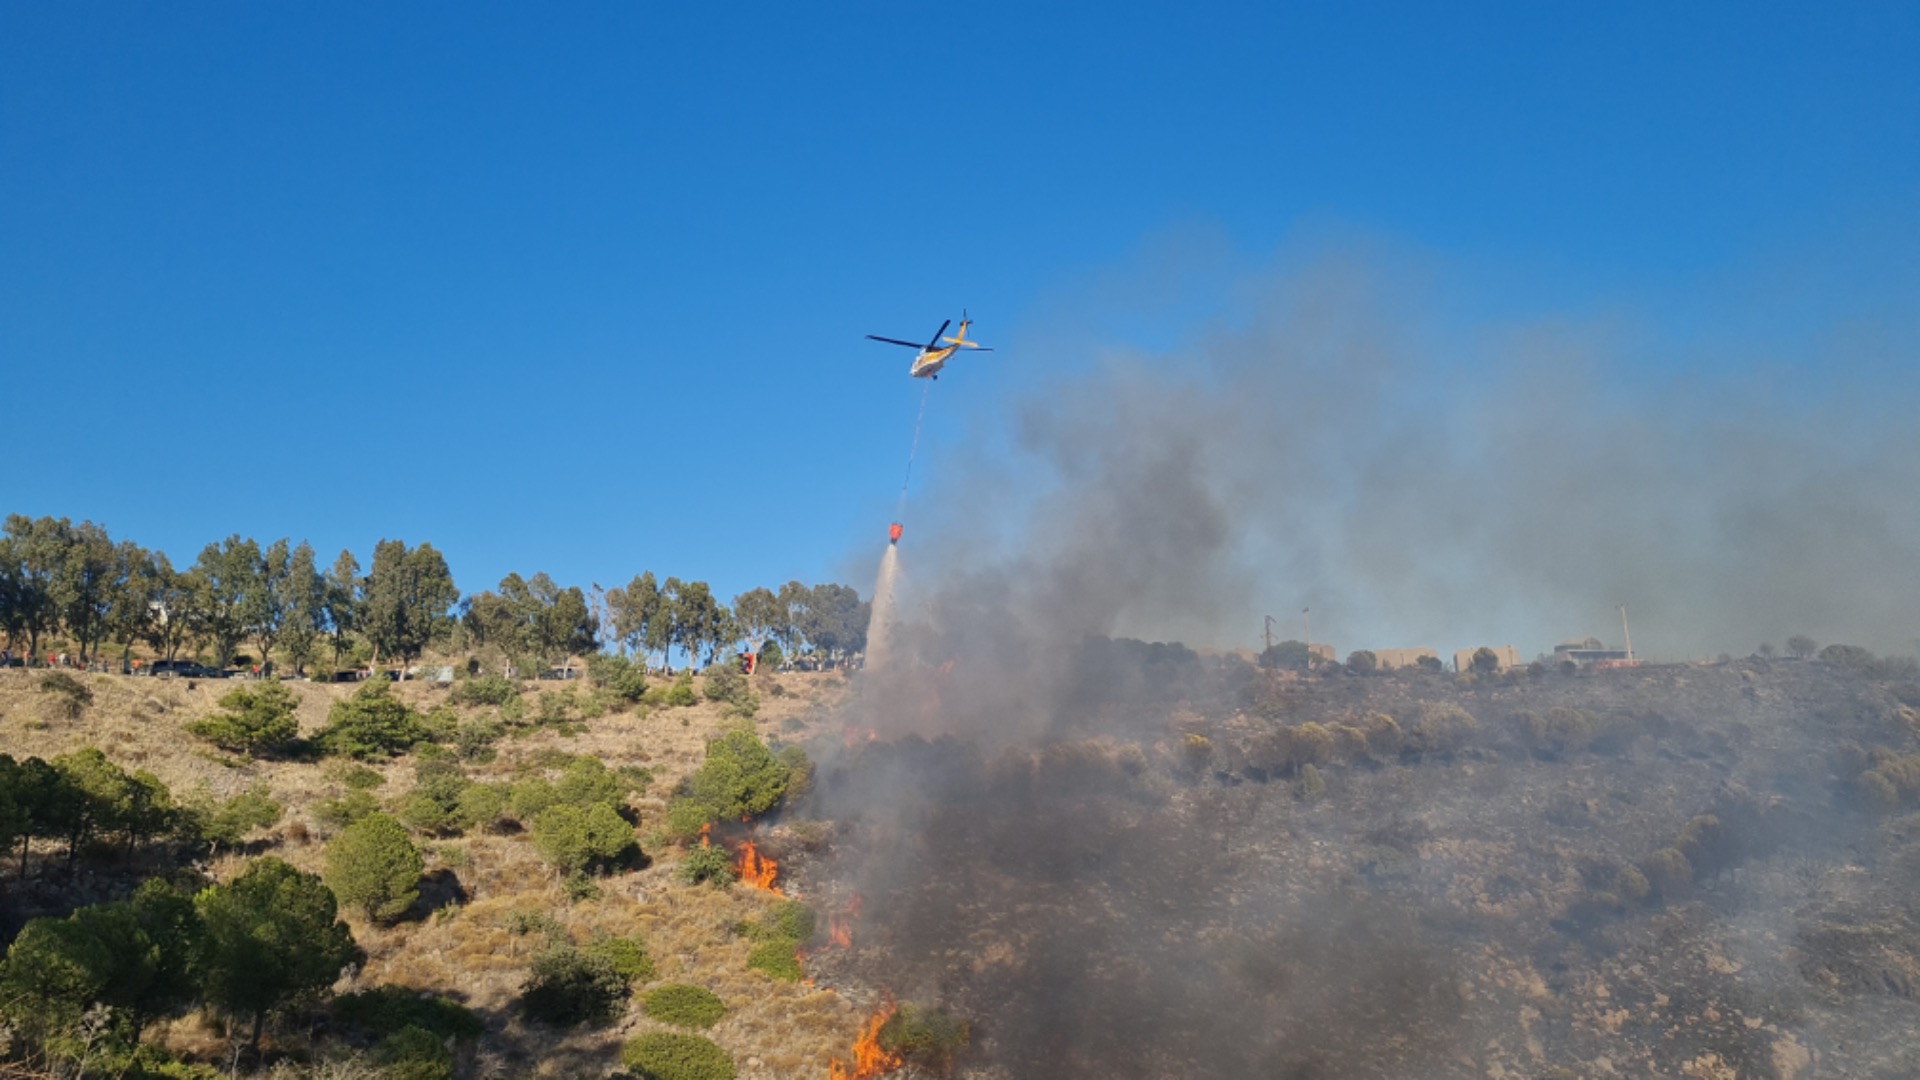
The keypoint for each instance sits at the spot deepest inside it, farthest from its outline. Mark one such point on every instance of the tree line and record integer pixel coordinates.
(62, 581)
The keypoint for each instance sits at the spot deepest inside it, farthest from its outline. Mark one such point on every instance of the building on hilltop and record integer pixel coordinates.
(1396, 659)
(1587, 651)
(1506, 658)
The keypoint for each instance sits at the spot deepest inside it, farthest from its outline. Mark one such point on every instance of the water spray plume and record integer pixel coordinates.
(869, 1059)
(880, 623)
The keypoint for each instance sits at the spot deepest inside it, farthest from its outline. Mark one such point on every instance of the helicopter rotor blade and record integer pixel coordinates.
(934, 341)
(894, 341)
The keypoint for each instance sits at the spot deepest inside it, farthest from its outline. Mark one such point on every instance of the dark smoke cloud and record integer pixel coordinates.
(1330, 441)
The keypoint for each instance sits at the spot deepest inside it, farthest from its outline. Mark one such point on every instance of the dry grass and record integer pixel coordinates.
(470, 951)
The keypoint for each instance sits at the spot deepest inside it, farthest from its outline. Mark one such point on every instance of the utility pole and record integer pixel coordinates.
(1267, 657)
(1306, 631)
(1628, 634)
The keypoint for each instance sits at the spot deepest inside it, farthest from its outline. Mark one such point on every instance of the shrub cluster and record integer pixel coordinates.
(924, 1036)
(684, 1006)
(72, 694)
(373, 865)
(373, 723)
(570, 985)
(740, 779)
(779, 934)
(81, 798)
(246, 948)
(257, 719)
(671, 1056)
(494, 690)
(1893, 781)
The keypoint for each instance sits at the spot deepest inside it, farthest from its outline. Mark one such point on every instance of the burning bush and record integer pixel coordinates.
(669, 1056)
(684, 1006)
(924, 1036)
(706, 863)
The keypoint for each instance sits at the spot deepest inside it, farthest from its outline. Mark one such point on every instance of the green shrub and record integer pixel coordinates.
(495, 690)
(355, 777)
(1632, 885)
(1443, 729)
(1384, 736)
(433, 806)
(1312, 745)
(684, 1006)
(474, 739)
(740, 778)
(1668, 874)
(257, 719)
(226, 824)
(414, 1053)
(621, 678)
(668, 1056)
(1879, 792)
(371, 724)
(680, 694)
(924, 1036)
(373, 865)
(482, 806)
(706, 863)
(569, 986)
(441, 723)
(573, 840)
(347, 809)
(1557, 731)
(387, 1009)
(627, 955)
(777, 958)
(726, 685)
(791, 921)
(1196, 752)
(1350, 743)
(532, 797)
(1312, 785)
(685, 818)
(585, 781)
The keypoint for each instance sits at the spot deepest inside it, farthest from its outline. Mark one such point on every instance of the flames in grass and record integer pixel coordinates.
(869, 1059)
(840, 925)
(757, 870)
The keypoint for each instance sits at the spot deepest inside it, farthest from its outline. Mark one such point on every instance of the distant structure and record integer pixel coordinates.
(1587, 652)
(1396, 659)
(1506, 658)
(1322, 653)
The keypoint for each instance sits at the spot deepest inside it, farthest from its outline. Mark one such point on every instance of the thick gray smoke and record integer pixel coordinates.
(1508, 483)
(1041, 833)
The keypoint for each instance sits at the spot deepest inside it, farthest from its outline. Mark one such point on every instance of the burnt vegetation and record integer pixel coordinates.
(1200, 868)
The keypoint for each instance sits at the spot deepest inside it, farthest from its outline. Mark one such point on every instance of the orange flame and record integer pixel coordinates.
(869, 1060)
(758, 870)
(840, 925)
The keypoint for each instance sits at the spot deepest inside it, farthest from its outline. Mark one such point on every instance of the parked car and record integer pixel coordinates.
(559, 673)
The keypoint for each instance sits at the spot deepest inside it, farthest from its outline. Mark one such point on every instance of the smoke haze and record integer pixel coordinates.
(1333, 444)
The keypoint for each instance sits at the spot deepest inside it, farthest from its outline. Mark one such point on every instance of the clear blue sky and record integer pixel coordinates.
(582, 288)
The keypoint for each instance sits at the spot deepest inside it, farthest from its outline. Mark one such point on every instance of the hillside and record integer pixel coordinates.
(485, 887)
(1198, 869)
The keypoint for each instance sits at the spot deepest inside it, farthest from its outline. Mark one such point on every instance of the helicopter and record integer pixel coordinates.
(934, 355)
